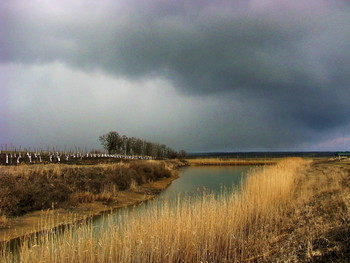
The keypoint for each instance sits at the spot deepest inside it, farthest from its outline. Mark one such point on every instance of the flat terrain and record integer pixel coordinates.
(295, 211)
(230, 161)
(318, 229)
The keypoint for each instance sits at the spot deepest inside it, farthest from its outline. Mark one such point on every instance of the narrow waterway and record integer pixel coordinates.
(193, 181)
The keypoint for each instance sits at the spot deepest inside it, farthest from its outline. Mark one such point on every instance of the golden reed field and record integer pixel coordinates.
(294, 211)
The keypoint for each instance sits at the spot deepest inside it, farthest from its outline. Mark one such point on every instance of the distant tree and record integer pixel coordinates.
(163, 150)
(115, 143)
(129, 146)
(124, 144)
(182, 154)
(110, 141)
(138, 147)
(171, 154)
(149, 149)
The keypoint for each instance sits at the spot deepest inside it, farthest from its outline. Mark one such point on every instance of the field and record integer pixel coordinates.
(230, 161)
(295, 211)
(78, 158)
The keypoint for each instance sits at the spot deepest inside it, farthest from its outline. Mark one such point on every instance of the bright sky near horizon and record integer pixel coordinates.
(199, 75)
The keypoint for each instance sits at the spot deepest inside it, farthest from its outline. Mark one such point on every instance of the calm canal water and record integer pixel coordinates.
(193, 181)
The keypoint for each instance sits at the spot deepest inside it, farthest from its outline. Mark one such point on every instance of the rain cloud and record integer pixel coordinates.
(198, 75)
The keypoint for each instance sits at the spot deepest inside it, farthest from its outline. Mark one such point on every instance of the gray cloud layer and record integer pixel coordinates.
(279, 70)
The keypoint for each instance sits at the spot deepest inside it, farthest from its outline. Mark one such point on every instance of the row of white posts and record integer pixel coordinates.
(10, 157)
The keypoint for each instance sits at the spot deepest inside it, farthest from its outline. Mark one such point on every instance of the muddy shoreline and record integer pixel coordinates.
(39, 221)
(34, 222)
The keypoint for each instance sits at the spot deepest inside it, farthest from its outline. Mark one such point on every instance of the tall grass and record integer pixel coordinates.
(231, 227)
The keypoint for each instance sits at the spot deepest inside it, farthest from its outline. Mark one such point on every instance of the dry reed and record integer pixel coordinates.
(231, 227)
(3, 221)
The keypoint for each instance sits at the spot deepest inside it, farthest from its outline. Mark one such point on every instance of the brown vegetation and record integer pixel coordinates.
(229, 161)
(3, 221)
(318, 228)
(291, 212)
(26, 188)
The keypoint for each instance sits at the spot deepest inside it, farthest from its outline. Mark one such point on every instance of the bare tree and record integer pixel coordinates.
(115, 143)
(110, 141)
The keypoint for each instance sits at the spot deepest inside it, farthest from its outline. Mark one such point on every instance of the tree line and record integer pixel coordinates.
(122, 144)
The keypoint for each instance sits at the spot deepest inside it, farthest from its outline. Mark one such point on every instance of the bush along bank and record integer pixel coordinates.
(28, 188)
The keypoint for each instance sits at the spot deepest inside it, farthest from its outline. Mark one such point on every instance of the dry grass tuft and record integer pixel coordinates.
(106, 196)
(82, 197)
(3, 221)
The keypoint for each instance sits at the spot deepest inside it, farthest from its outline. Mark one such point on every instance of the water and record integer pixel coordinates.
(193, 181)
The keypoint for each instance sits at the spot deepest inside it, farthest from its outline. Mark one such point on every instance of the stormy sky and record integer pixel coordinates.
(199, 75)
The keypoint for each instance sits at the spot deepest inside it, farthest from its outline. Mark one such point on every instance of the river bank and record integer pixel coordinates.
(317, 228)
(244, 225)
(40, 199)
(38, 221)
(70, 194)
(295, 211)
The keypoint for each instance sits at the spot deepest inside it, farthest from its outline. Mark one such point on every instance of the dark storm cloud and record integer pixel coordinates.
(287, 59)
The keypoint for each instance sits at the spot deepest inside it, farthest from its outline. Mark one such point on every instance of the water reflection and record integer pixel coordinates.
(211, 178)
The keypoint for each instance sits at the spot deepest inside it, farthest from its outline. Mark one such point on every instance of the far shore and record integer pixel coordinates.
(231, 161)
